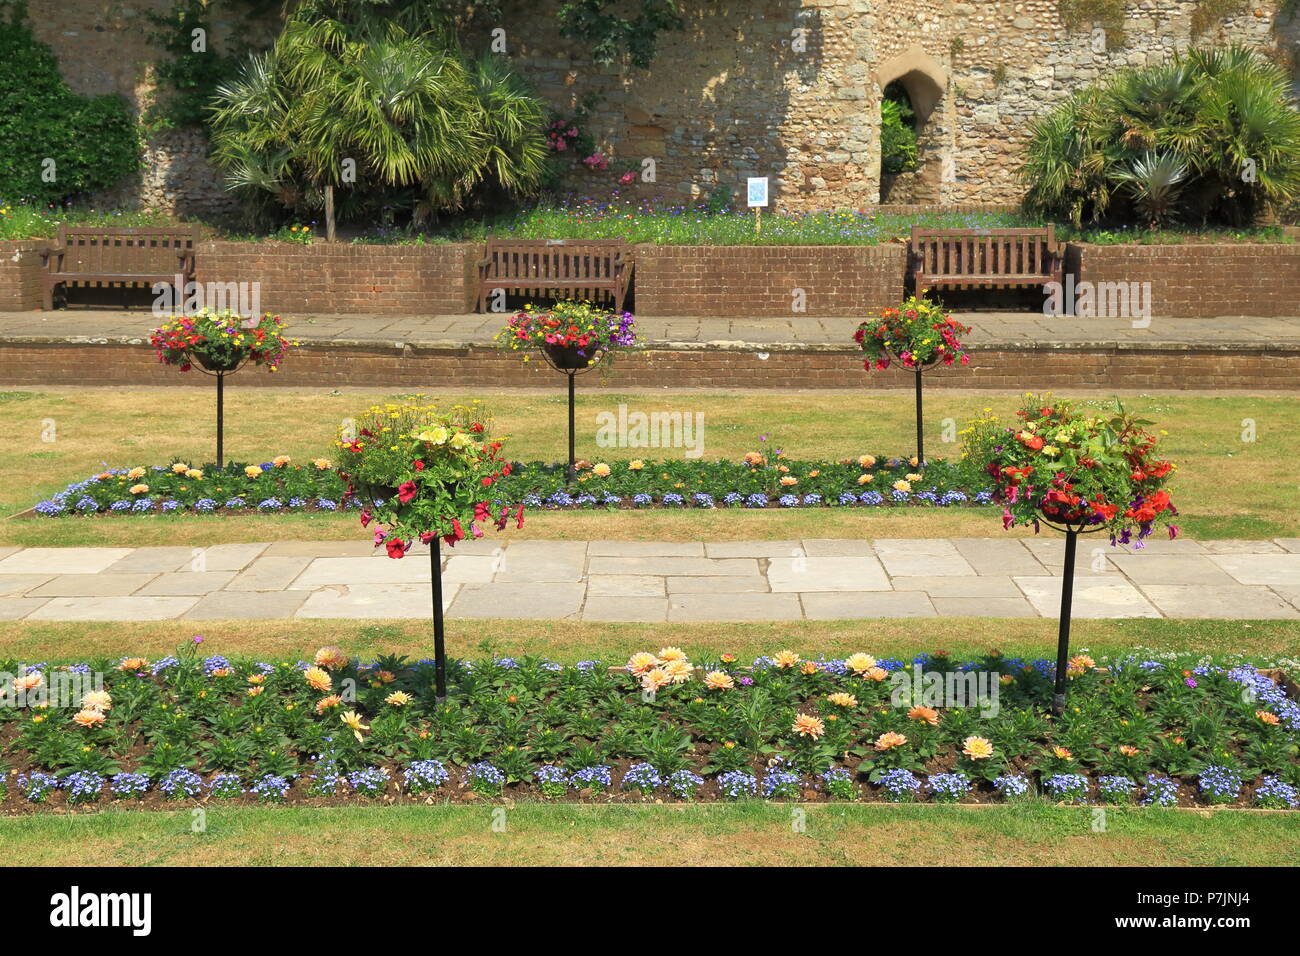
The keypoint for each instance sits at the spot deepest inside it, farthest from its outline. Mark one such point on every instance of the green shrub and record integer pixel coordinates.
(1212, 136)
(897, 138)
(92, 140)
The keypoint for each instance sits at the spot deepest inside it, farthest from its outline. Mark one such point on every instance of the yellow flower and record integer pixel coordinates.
(135, 473)
(1267, 718)
(636, 464)
(913, 477)
(642, 662)
(718, 680)
(788, 481)
(89, 718)
(890, 740)
(254, 691)
(194, 474)
(860, 663)
(867, 461)
(785, 658)
(139, 489)
(601, 470)
(841, 699)
(331, 658)
(180, 468)
(353, 721)
(876, 674)
(281, 460)
(901, 485)
(977, 748)
(865, 479)
(654, 678)
(679, 671)
(806, 725)
(434, 436)
(325, 703)
(317, 679)
(252, 471)
(1061, 753)
(28, 682)
(398, 698)
(322, 464)
(667, 654)
(97, 700)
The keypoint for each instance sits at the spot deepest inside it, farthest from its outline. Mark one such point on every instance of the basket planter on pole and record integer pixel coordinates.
(916, 335)
(1079, 474)
(569, 360)
(219, 344)
(572, 337)
(423, 475)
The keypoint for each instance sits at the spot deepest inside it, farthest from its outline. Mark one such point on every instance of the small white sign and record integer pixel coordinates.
(757, 191)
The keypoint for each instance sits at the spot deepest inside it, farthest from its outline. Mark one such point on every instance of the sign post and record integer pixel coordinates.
(756, 194)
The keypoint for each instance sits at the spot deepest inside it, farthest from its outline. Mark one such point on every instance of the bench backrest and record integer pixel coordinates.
(984, 252)
(566, 260)
(134, 251)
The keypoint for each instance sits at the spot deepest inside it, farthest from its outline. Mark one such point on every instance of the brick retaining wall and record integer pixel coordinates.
(340, 277)
(737, 281)
(434, 369)
(1201, 280)
(760, 281)
(20, 274)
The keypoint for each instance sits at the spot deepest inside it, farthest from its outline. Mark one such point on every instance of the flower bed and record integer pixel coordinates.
(282, 486)
(660, 727)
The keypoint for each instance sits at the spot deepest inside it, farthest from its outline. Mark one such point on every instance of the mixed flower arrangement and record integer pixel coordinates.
(759, 480)
(421, 473)
(918, 334)
(196, 726)
(220, 341)
(1091, 472)
(587, 333)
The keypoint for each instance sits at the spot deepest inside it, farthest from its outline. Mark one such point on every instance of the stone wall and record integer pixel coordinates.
(788, 89)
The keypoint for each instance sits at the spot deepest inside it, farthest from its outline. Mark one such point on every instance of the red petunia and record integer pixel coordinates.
(396, 547)
(406, 491)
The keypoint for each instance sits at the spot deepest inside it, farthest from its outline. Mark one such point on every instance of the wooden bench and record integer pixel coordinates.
(138, 255)
(575, 268)
(985, 258)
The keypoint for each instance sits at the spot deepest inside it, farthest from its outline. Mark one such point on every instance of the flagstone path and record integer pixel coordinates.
(813, 579)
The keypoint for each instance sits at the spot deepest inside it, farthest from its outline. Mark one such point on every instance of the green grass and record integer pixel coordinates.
(25, 221)
(1225, 487)
(571, 641)
(749, 834)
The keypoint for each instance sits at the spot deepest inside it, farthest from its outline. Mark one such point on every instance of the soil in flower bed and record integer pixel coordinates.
(280, 486)
(335, 731)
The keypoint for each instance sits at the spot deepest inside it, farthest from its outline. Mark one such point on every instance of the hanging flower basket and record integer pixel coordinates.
(571, 335)
(421, 474)
(917, 334)
(220, 341)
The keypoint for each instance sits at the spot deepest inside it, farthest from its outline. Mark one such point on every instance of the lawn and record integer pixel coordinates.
(60, 436)
(571, 641)
(746, 834)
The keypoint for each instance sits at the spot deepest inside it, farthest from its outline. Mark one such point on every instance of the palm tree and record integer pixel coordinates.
(413, 115)
(1152, 182)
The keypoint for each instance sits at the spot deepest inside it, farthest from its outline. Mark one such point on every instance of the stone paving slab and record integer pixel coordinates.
(812, 579)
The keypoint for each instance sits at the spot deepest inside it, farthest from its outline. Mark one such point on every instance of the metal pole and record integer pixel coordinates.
(572, 472)
(1063, 633)
(920, 431)
(221, 414)
(439, 648)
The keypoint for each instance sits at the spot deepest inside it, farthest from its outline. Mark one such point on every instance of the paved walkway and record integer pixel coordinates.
(990, 330)
(814, 579)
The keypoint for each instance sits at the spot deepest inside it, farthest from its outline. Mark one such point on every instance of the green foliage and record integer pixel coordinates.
(187, 82)
(92, 140)
(427, 129)
(1212, 136)
(898, 153)
(611, 36)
